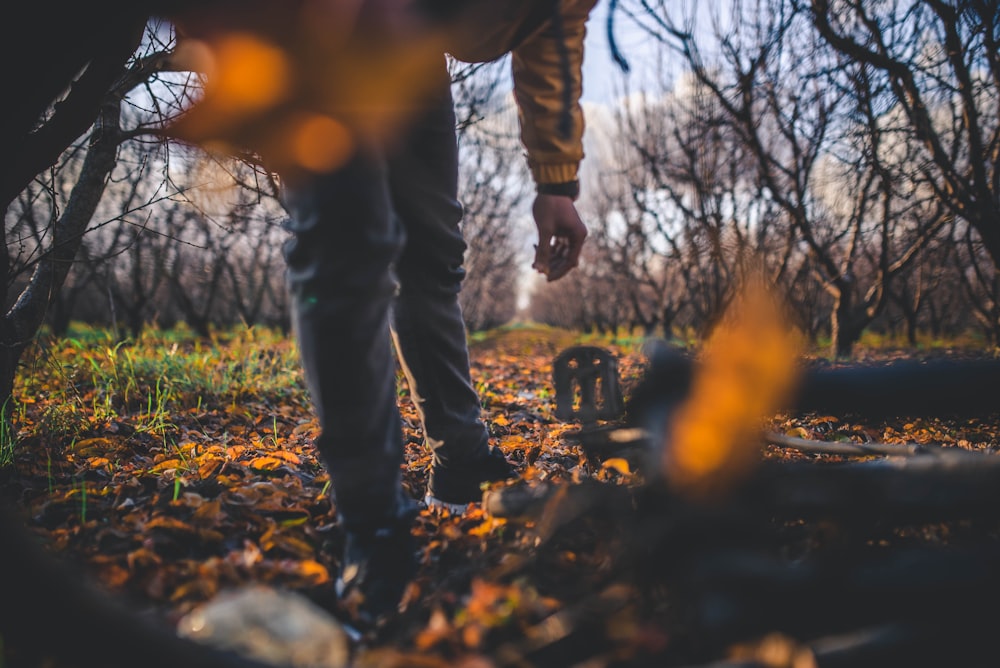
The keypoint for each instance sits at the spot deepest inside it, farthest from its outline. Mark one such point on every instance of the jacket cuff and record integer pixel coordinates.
(554, 173)
(569, 189)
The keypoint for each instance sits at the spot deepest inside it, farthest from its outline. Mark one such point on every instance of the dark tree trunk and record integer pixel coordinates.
(847, 323)
(911, 329)
(20, 324)
(60, 316)
(56, 42)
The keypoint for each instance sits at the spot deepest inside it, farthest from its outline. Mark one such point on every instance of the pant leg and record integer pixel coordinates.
(429, 331)
(339, 263)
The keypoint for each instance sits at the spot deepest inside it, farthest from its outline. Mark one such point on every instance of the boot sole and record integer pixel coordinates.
(453, 508)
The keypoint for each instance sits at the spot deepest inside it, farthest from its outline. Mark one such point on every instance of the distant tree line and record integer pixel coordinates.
(108, 221)
(180, 235)
(851, 148)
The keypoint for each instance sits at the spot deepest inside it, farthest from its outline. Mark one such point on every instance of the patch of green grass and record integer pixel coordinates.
(83, 502)
(61, 419)
(87, 377)
(7, 443)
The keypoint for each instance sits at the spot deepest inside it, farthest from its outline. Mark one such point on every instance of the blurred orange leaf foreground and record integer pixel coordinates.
(746, 372)
(304, 84)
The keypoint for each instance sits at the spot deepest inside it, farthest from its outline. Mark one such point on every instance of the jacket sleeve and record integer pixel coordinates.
(540, 90)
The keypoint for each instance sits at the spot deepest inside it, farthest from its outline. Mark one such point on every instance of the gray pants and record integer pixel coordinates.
(377, 245)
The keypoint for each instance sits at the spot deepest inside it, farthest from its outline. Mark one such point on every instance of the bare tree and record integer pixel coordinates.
(493, 189)
(490, 226)
(693, 176)
(559, 306)
(824, 151)
(255, 269)
(980, 282)
(68, 221)
(940, 66)
(927, 290)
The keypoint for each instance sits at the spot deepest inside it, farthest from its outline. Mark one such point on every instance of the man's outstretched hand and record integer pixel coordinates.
(561, 234)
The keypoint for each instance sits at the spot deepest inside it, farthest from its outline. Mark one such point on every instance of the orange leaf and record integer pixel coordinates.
(142, 558)
(113, 576)
(168, 465)
(438, 629)
(265, 463)
(207, 512)
(208, 467)
(313, 571)
(200, 588)
(618, 464)
(487, 527)
(287, 456)
(306, 429)
(234, 451)
(450, 531)
(747, 369)
(293, 545)
(472, 635)
(93, 446)
(169, 524)
(99, 463)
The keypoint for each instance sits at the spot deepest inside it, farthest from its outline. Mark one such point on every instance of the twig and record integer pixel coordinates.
(864, 449)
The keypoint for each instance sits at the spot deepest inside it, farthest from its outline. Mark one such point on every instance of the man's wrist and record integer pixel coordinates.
(569, 189)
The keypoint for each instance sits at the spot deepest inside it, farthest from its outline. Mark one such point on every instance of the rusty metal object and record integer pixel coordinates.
(587, 385)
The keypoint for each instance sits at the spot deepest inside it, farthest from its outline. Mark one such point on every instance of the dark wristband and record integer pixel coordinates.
(569, 189)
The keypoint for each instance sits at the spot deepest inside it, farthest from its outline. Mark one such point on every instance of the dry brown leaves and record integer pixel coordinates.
(237, 495)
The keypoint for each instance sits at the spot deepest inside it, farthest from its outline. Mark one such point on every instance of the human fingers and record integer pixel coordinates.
(543, 254)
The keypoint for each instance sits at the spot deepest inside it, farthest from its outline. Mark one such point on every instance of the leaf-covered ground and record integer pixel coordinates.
(174, 469)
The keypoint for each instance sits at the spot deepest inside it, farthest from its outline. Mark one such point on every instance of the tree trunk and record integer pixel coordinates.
(20, 324)
(844, 339)
(61, 314)
(74, 48)
(9, 358)
(846, 326)
(135, 322)
(911, 327)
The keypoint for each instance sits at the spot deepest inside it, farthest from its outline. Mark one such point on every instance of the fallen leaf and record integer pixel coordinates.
(168, 465)
(266, 463)
(618, 464)
(287, 456)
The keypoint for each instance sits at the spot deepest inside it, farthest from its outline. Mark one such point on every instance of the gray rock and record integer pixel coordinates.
(270, 625)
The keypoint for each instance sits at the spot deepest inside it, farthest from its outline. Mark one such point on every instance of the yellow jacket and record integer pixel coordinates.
(249, 108)
(488, 29)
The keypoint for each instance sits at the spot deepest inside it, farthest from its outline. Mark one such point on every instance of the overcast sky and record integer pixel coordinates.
(602, 78)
